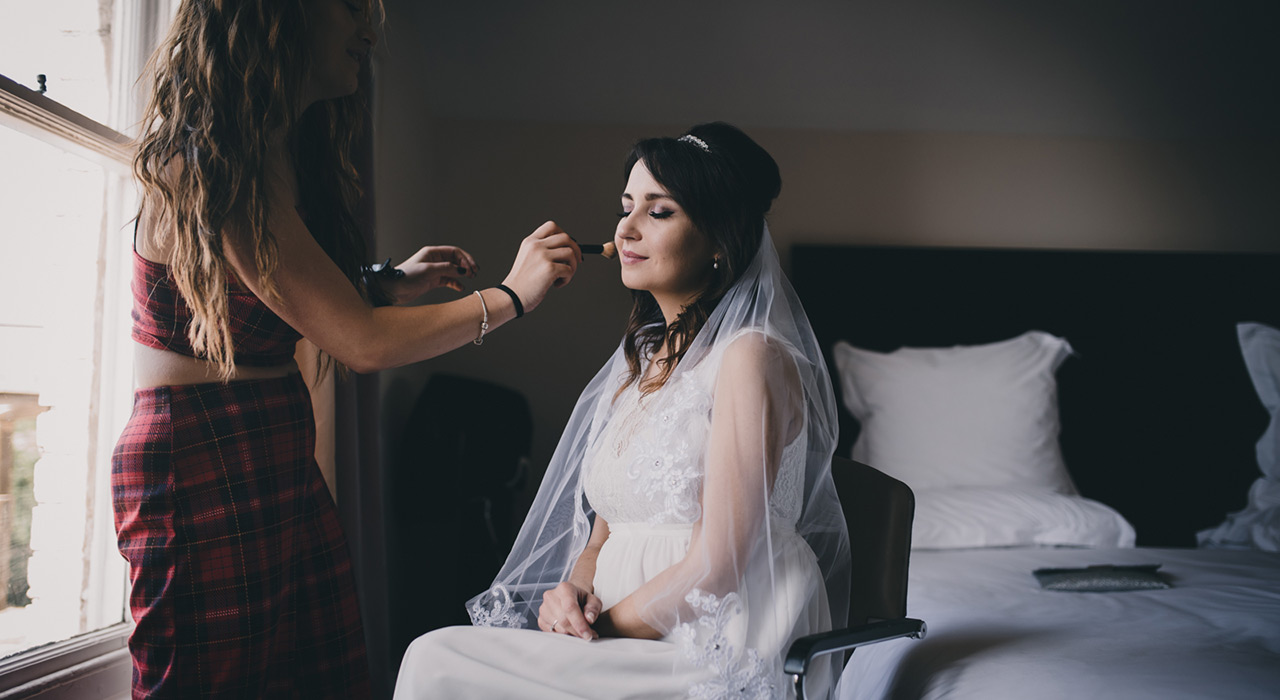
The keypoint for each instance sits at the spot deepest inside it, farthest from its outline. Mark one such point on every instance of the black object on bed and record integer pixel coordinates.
(1102, 578)
(1159, 419)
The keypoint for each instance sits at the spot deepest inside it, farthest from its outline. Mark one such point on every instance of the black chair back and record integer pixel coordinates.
(879, 510)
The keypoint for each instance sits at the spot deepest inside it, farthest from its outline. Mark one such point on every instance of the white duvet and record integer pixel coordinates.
(994, 633)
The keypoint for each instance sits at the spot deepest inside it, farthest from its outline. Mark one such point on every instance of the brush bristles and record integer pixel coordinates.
(608, 250)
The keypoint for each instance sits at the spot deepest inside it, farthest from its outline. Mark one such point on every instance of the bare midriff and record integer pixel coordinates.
(153, 367)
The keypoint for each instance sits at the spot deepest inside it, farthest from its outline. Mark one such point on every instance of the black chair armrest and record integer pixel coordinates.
(805, 649)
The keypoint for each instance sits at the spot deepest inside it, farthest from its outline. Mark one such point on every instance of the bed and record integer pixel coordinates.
(1123, 421)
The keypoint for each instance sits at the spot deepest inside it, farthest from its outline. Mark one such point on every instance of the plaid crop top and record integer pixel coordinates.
(161, 317)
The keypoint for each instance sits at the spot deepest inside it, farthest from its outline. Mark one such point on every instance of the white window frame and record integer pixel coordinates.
(96, 664)
(27, 111)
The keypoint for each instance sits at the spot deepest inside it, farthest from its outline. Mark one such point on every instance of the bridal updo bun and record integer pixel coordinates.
(726, 183)
(744, 160)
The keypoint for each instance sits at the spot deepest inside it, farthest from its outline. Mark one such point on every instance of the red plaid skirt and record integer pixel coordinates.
(242, 582)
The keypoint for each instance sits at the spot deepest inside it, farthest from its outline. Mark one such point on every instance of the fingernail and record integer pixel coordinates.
(591, 617)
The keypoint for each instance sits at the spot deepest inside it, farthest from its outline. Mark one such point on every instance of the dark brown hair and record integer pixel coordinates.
(726, 190)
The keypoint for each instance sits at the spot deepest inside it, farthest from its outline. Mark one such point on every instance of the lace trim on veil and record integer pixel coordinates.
(705, 643)
(495, 608)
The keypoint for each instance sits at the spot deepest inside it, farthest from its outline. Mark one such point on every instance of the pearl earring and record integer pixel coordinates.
(715, 263)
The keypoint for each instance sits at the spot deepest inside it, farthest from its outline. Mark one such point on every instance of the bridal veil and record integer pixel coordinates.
(763, 476)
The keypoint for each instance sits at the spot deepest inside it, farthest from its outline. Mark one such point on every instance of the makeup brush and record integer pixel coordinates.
(609, 250)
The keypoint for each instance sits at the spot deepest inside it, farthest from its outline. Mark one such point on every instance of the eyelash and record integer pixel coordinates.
(652, 214)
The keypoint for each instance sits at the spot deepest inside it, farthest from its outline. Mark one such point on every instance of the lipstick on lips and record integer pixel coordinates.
(629, 257)
(608, 250)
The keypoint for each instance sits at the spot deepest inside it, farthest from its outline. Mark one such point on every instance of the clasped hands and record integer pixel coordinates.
(569, 609)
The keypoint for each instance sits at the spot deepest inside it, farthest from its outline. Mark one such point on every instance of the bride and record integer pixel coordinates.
(687, 529)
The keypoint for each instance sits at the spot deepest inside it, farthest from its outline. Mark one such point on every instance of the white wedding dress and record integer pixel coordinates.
(643, 473)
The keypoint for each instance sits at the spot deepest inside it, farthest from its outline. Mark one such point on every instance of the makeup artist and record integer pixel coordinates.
(246, 242)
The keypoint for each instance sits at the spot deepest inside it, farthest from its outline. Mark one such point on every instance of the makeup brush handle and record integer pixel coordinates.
(591, 248)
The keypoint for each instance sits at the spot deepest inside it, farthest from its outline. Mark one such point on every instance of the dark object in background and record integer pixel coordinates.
(1102, 578)
(462, 461)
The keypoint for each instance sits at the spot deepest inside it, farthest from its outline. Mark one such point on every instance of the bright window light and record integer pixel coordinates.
(65, 375)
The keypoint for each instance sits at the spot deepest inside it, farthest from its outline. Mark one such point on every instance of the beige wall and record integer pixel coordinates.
(1025, 191)
(485, 184)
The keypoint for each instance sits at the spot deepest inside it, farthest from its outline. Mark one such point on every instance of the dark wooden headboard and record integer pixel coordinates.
(1159, 419)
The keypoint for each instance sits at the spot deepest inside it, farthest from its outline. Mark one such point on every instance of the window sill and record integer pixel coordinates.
(29, 112)
(90, 666)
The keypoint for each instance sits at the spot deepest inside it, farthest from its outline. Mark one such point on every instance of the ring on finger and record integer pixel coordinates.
(554, 623)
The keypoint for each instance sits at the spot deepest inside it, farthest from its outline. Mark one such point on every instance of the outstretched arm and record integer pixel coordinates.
(318, 300)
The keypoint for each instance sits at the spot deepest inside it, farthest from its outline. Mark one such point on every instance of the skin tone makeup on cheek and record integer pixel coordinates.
(660, 250)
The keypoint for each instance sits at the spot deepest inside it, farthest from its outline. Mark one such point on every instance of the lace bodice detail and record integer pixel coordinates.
(646, 463)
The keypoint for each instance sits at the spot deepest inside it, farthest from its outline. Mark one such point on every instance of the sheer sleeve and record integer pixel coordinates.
(736, 554)
(753, 415)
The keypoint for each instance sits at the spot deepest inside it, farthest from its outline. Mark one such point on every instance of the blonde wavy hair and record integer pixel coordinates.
(228, 75)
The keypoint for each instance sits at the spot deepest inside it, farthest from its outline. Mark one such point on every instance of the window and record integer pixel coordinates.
(68, 106)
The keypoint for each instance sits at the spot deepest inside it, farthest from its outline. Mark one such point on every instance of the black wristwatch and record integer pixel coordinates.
(383, 270)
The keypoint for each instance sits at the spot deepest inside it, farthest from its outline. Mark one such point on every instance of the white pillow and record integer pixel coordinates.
(1258, 525)
(981, 415)
(1013, 517)
(1260, 345)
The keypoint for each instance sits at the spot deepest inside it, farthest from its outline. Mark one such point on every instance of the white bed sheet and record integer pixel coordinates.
(994, 633)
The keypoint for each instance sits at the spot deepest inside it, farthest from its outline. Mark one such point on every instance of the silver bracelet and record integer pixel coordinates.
(484, 322)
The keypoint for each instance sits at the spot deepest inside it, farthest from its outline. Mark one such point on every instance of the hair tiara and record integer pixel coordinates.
(690, 138)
